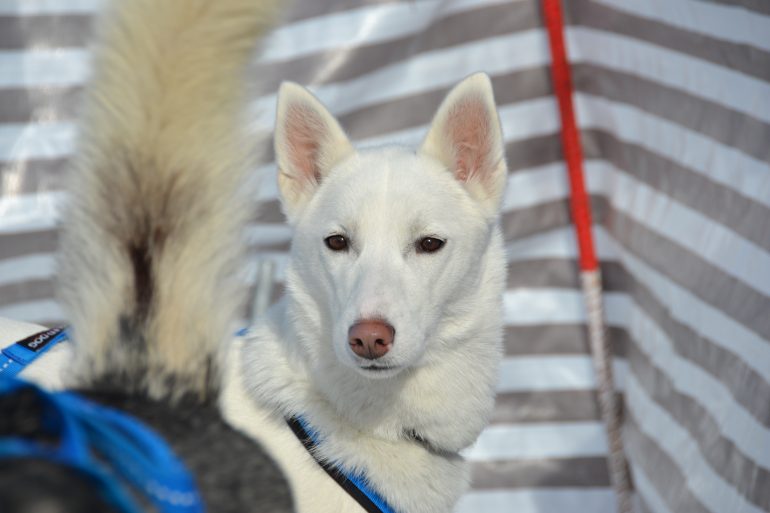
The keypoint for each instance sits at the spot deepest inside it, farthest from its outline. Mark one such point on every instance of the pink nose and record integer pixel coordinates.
(371, 339)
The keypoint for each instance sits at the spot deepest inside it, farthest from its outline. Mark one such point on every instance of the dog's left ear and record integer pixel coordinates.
(465, 136)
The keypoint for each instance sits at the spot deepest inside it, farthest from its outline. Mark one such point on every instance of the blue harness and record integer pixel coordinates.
(107, 445)
(136, 453)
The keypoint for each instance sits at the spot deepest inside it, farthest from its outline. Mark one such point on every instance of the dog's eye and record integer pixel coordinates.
(429, 245)
(336, 243)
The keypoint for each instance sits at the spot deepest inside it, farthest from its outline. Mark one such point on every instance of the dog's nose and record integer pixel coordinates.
(371, 339)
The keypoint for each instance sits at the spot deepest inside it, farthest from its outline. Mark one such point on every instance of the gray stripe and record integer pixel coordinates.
(44, 31)
(407, 112)
(451, 30)
(32, 176)
(747, 386)
(27, 243)
(71, 30)
(41, 103)
(546, 406)
(278, 247)
(28, 290)
(683, 266)
(562, 473)
(735, 467)
(713, 120)
(270, 212)
(659, 468)
(558, 339)
(760, 6)
(749, 60)
(552, 273)
(548, 216)
(742, 215)
(300, 10)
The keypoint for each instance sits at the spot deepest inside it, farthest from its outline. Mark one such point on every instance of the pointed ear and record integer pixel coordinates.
(465, 136)
(308, 143)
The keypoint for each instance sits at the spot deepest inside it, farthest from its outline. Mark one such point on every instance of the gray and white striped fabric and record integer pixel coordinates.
(673, 102)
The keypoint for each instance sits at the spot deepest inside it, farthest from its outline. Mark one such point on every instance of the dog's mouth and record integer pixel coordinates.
(378, 368)
(379, 371)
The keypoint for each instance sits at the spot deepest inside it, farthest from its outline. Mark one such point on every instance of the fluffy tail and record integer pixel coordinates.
(152, 242)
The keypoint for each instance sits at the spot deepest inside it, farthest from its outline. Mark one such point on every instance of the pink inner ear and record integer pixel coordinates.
(304, 134)
(469, 130)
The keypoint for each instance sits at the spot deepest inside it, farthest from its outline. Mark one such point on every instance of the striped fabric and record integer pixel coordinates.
(673, 103)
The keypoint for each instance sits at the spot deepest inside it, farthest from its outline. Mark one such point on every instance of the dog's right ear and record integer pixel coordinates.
(308, 143)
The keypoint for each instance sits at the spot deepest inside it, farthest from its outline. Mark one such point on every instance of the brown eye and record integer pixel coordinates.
(336, 243)
(429, 245)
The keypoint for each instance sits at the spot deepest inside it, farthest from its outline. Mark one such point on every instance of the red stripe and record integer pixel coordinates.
(580, 204)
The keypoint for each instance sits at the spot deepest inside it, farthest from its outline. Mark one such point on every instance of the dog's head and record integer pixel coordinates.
(390, 242)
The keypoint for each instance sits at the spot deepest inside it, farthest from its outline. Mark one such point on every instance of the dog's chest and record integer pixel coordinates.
(405, 474)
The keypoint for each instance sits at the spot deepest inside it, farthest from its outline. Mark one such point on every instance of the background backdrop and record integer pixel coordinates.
(673, 102)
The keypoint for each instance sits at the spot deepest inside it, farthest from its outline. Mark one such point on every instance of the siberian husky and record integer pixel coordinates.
(388, 340)
(389, 337)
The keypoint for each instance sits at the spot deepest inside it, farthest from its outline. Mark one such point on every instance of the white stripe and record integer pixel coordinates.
(734, 422)
(699, 154)
(538, 500)
(424, 72)
(362, 26)
(268, 233)
(743, 93)
(647, 491)
(32, 267)
(43, 67)
(542, 373)
(708, 322)
(559, 243)
(539, 441)
(729, 23)
(20, 210)
(48, 7)
(527, 307)
(531, 187)
(20, 141)
(701, 479)
(33, 311)
(420, 73)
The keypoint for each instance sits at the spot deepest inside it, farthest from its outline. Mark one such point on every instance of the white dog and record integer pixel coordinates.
(385, 349)
(388, 340)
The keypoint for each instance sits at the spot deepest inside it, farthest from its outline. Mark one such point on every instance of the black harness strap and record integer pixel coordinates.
(355, 486)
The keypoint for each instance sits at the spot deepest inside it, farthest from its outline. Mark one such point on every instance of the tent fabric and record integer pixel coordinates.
(673, 104)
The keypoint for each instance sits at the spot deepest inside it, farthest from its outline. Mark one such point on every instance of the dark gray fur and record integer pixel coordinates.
(233, 473)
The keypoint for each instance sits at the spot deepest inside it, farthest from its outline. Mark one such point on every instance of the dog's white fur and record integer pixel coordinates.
(445, 306)
(152, 242)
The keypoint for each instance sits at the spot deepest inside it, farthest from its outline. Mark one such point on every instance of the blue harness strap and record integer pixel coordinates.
(111, 447)
(356, 485)
(17, 356)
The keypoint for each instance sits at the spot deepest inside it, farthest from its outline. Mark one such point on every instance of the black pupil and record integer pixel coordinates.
(430, 244)
(336, 243)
